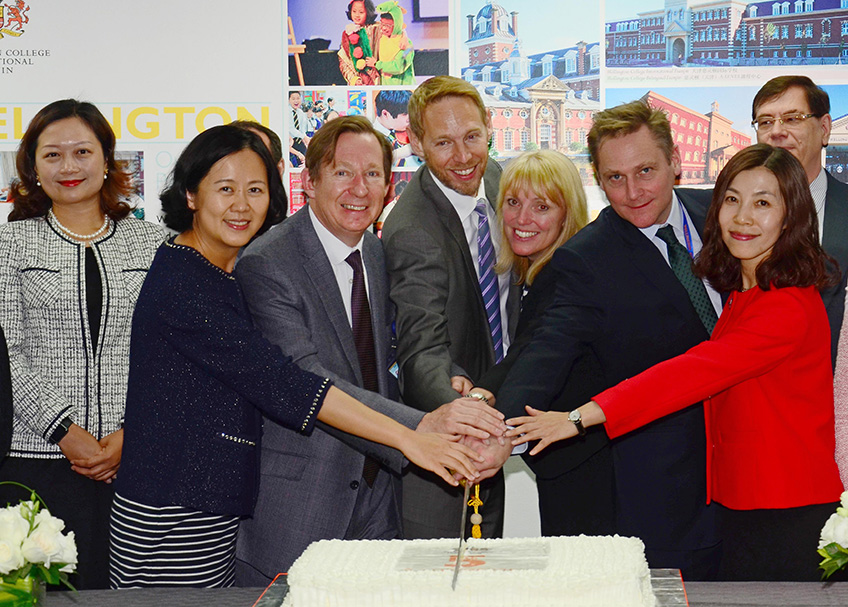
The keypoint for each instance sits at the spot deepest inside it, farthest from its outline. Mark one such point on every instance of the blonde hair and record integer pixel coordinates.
(625, 119)
(435, 89)
(553, 176)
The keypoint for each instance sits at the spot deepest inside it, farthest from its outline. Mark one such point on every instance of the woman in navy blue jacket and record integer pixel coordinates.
(200, 374)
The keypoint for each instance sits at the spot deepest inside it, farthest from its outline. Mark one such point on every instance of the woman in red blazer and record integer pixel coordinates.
(765, 375)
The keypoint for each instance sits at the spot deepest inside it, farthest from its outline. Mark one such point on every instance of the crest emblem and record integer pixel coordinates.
(13, 17)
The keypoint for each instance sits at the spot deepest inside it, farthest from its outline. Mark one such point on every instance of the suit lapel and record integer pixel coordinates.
(323, 279)
(835, 232)
(378, 296)
(697, 212)
(449, 218)
(649, 261)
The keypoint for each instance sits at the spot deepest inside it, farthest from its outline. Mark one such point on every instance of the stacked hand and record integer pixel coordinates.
(465, 416)
(550, 426)
(494, 452)
(442, 454)
(98, 461)
(476, 424)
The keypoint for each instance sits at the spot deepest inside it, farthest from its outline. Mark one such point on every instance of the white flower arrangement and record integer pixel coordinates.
(33, 548)
(833, 545)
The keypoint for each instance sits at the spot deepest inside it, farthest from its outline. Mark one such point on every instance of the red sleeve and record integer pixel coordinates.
(764, 334)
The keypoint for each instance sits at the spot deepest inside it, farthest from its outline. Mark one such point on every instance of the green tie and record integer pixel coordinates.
(681, 265)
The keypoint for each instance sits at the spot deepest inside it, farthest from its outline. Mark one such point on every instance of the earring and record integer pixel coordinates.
(37, 180)
(105, 174)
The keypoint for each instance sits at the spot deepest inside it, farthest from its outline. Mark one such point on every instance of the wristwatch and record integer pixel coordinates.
(575, 418)
(478, 396)
(61, 431)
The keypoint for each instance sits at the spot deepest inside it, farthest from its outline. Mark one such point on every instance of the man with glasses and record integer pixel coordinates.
(793, 113)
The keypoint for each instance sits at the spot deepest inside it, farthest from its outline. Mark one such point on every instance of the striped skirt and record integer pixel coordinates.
(170, 546)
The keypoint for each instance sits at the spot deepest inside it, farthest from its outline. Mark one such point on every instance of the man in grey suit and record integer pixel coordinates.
(302, 292)
(791, 112)
(446, 327)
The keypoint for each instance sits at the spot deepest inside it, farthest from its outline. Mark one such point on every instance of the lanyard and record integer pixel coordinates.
(687, 236)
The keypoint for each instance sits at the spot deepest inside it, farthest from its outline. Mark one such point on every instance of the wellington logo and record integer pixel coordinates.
(13, 17)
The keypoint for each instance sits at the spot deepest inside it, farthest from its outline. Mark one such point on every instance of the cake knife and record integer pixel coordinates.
(460, 551)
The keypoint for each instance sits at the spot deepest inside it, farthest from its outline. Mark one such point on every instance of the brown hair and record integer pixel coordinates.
(434, 89)
(797, 259)
(29, 200)
(626, 119)
(275, 146)
(198, 158)
(817, 98)
(322, 147)
(549, 174)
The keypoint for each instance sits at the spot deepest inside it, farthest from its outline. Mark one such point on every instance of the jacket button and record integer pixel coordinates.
(354, 484)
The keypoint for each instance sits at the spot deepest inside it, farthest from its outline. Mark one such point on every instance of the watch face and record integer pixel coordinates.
(574, 416)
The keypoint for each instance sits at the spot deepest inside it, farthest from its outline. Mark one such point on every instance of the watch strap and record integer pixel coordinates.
(577, 420)
(61, 430)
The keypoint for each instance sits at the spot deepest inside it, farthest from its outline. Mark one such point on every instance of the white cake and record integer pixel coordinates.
(533, 572)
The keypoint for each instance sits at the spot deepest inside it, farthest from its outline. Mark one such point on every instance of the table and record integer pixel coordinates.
(701, 594)
(767, 594)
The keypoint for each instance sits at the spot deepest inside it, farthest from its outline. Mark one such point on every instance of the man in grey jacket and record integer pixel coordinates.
(310, 284)
(440, 241)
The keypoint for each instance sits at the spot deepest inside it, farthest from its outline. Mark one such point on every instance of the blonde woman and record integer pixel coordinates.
(540, 206)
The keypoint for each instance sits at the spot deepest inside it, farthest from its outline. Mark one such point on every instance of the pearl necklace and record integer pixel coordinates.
(76, 236)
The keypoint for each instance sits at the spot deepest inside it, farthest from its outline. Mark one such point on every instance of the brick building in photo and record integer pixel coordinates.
(706, 141)
(731, 32)
(546, 100)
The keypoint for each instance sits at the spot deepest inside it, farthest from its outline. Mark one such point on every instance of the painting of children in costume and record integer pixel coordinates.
(395, 55)
(339, 43)
(359, 43)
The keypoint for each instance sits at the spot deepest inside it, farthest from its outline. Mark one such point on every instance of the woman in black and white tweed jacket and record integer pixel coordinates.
(72, 262)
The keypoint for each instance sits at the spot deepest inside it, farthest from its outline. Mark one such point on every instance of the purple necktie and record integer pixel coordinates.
(488, 278)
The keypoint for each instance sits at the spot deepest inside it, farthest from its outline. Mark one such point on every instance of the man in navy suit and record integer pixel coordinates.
(300, 287)
(620, 308)
(791, 112)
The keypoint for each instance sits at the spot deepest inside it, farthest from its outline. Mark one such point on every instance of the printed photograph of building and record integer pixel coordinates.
(836, 154)
(543, 99)
(706, 136)
(696, 33)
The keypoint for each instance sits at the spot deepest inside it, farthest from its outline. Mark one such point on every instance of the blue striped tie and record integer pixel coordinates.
(488, 278)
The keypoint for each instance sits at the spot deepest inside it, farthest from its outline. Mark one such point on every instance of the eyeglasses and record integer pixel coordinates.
(790, 121)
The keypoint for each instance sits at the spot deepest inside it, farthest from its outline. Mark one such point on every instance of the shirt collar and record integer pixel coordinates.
(463, 204)
(336, 250)
(675, 220)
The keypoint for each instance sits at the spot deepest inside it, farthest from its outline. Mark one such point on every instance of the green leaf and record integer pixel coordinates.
(834, 549)
(51, 575)
(63, 577)
(25, 570)
(835, 558)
